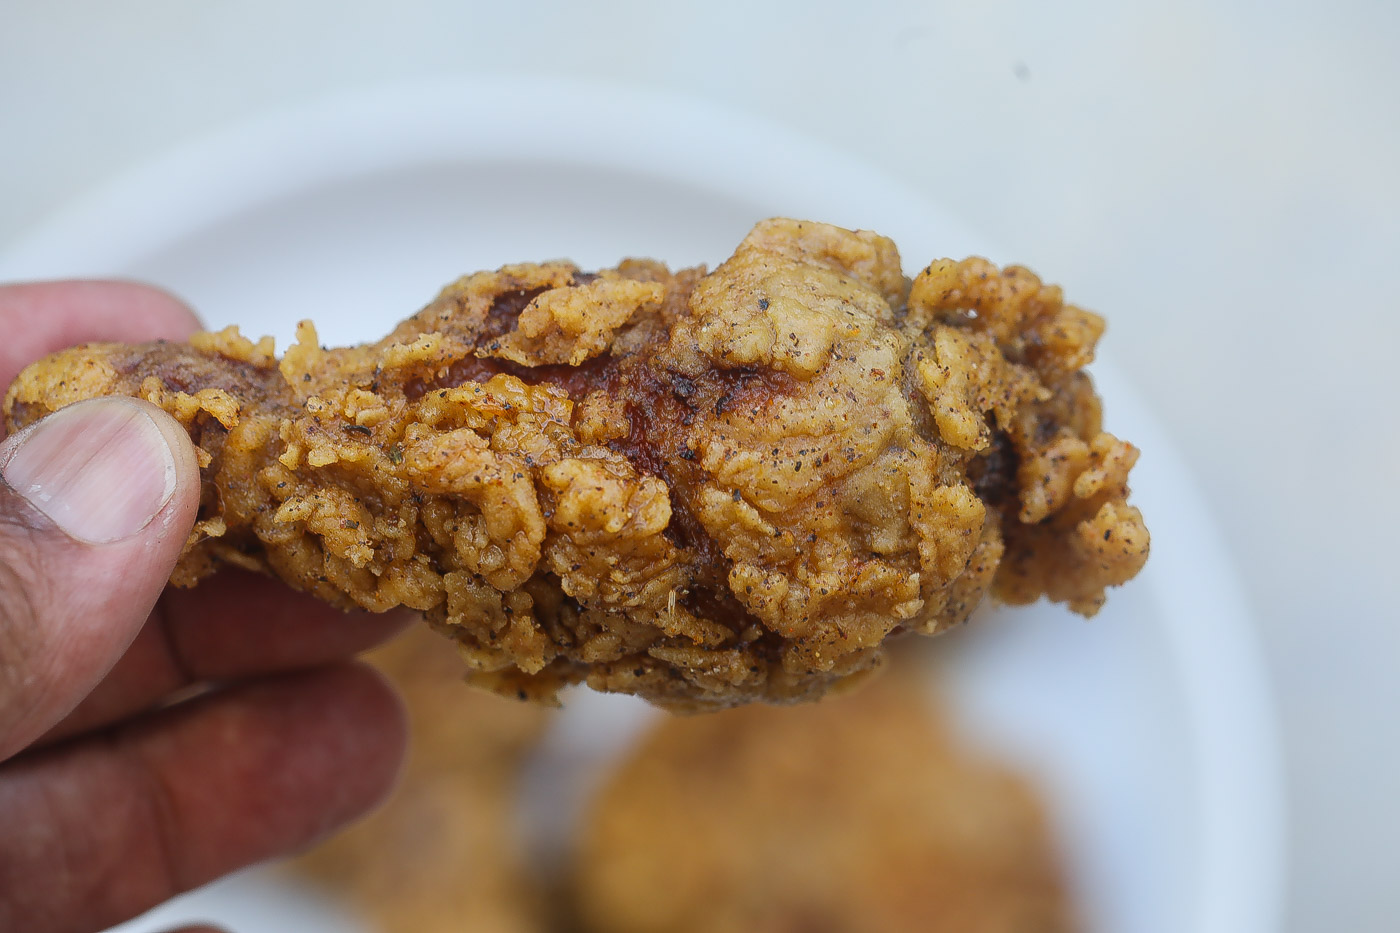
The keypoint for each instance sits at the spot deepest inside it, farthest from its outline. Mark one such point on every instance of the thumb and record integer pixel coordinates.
(96, 502)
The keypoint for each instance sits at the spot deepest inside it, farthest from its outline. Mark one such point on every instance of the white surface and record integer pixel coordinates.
(1218, 177)
(1150, 727)
(257, 900)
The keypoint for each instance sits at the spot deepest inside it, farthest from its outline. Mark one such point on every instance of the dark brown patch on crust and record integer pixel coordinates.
(993, 474)
(505, 311)
(182, 371)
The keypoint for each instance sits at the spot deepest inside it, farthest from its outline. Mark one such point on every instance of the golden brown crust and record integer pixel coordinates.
(860, 813)
(702, 489)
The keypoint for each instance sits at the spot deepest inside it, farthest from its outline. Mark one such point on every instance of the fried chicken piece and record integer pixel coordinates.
(442, 855)
(701, 489)
(860, 813)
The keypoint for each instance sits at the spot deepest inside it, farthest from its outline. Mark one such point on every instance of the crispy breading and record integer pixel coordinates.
(702, 489)
(858, 814)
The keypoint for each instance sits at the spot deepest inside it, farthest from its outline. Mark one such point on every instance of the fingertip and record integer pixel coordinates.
(380, 709)
(184, 502)
(105, 469)
(112, 309)
(160, 303)
(238, 623)
(369, 702)
(339, 747)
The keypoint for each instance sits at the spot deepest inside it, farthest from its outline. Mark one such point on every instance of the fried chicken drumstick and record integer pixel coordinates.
(701, 489)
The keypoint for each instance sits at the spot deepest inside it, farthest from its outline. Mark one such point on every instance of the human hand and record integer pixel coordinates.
(152, 741)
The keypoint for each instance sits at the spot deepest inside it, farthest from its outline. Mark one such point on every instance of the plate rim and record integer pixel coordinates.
(682, 138)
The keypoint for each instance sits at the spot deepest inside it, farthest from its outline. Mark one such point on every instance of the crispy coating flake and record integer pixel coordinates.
(701, 489)
(859, 814)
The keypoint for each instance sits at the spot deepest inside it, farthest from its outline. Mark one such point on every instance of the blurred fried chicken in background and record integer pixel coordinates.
(443, 855)
(857, 814)
(862, 813)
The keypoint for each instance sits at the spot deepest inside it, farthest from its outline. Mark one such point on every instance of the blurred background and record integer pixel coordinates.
(1219, 178)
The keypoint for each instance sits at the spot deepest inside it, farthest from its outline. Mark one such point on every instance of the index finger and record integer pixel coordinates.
(236, 625)
(98, 830)
(40, 317)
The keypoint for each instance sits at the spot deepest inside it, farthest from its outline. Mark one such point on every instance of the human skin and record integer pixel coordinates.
(113, 797)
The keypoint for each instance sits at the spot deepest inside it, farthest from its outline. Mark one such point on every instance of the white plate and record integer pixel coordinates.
(1150, 726)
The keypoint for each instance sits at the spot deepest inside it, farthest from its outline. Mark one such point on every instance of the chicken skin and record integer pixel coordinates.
(703, 489)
